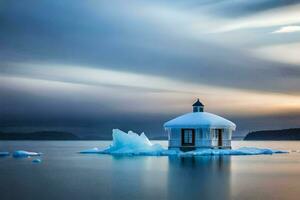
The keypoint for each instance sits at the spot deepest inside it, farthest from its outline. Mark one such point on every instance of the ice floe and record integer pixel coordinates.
(4, 153)
(133, 144)
(22, 154)
(37, 160)
(91, 151)
(239, 151)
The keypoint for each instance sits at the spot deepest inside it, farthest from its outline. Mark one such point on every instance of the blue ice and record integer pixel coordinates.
(22, 154)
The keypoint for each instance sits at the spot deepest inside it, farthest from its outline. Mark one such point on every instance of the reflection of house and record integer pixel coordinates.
(201, 177)
(199, 129)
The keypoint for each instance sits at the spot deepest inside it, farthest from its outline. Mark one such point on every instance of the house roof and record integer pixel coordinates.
(199, 120)
(198, 103)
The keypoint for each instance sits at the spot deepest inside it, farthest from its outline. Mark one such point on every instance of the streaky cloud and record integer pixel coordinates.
(286, 15)
(287, 29)
(284, 53)
(102, 85)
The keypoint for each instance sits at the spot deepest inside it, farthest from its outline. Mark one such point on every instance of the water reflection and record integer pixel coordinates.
(199, 177)
(64, 174)
(137, 177)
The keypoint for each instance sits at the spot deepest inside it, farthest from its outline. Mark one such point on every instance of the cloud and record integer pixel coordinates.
(285, 15)
(241, 8)
(102, 86)
(97, 61)
(145, 38)
(283, 53)
(287, 29)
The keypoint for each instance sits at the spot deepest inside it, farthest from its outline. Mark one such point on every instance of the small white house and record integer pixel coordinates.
(199, 129)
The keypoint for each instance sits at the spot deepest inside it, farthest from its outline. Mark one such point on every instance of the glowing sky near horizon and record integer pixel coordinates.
(131, 64)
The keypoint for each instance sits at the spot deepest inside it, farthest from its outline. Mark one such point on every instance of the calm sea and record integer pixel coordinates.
(65, 174)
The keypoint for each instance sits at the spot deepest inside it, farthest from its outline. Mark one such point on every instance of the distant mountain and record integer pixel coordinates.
(285, 134)
(158, 137)
(58, 135)
(39, 135)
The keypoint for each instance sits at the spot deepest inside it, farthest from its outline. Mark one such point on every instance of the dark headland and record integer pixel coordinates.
(284, 134)
(57, 135)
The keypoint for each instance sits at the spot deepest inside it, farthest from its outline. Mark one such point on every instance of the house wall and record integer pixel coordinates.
(204, 137)
(174, 135)
(226, 137)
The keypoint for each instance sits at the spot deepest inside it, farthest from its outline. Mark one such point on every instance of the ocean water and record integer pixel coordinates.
(66, 174)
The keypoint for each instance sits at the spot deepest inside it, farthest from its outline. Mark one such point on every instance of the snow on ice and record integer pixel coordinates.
(133, 144)
(22, 154)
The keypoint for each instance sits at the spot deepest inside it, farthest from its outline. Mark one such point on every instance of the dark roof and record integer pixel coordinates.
(198, 103)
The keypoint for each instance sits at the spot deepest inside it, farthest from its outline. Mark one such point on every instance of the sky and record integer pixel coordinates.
(91, 66)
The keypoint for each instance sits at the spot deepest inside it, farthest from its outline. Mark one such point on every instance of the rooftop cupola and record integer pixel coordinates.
(198, 106)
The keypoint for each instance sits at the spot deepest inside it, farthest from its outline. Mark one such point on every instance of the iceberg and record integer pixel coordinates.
(129, 144)
(133, 144)
(23, 154)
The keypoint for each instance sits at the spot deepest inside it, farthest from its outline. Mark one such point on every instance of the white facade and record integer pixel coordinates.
(199, 130)
(204, 138)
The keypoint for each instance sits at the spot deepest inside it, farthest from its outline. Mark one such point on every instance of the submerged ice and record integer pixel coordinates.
(133, 144)
(37, 160)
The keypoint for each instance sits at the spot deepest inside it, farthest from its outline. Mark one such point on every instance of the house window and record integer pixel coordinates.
(188, 137)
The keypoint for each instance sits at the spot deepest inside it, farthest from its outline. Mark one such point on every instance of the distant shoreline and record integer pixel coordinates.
(56, 136)
(35, 140)
(292, 134)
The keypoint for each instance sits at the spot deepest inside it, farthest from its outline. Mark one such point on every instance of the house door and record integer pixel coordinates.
(188, 137)
(220, 142)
